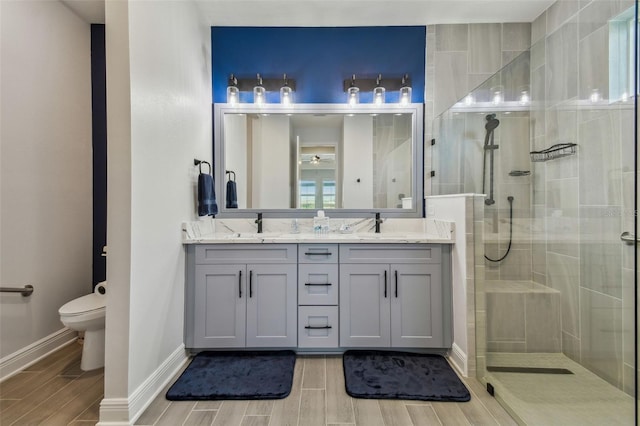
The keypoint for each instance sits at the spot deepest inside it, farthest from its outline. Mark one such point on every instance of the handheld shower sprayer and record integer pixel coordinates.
(490, 147)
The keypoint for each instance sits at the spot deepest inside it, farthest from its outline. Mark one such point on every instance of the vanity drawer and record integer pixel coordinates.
(245, 253)
(318, 284)
(318, 253)
(318, 327)
(390, 253)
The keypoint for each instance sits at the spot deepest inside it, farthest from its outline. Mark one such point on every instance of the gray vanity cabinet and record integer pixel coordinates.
(220, 306)
(399, 304)
(237, 304)
(318, 286)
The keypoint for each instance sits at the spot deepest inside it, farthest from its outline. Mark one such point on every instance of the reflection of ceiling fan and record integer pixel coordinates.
(316, 159)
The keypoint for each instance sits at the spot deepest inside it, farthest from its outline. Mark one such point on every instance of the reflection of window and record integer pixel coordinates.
(329, 194)
(307, 194)
(318, 194)
(622, 33)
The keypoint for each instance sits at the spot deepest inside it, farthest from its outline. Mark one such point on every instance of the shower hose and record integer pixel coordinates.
(510, 199)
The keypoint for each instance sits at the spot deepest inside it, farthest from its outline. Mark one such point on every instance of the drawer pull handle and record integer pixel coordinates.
(322, 327)
(250, 283)
(240, 284)
(385, 284)
(317, 254)
(314, 284)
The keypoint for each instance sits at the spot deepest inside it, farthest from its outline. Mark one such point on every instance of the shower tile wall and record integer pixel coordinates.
(464, 55)
(459, 58)
(476, 52)
(581, 203)
(391, 158)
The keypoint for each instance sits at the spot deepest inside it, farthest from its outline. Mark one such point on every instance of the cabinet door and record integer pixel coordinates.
(220, 306)
(272, 306)
(416, 306)
(364, 305)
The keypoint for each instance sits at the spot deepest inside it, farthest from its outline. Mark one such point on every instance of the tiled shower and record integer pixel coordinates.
(563, 297)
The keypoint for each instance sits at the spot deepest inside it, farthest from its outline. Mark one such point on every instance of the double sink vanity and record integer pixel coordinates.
(319, 293)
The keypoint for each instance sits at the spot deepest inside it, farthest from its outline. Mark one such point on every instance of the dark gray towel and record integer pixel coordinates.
(232, 195)
(207, 205)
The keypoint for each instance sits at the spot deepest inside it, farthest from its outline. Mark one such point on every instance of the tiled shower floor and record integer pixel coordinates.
(581, 398)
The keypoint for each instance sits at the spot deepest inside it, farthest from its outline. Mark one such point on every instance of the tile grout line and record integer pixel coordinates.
(90, 405)
(15, 422)
(162, 414)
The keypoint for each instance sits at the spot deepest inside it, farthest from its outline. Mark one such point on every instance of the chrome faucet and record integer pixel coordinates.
(378, 222)
(259, 222)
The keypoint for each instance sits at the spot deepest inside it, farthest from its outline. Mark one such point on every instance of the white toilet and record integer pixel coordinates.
(87, 313)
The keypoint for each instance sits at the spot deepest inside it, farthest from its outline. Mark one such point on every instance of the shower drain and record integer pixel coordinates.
(533, 370)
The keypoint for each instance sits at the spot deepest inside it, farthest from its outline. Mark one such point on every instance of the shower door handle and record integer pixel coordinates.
(628, 238)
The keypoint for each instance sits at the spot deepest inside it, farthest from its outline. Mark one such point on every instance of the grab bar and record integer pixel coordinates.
(628, 237)
(25, 291)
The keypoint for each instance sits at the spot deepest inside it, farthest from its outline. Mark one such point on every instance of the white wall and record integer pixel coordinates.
(270, 152)
(235, 156)
(455, 208)
(358, 162)
(45, 167)
(159, 91)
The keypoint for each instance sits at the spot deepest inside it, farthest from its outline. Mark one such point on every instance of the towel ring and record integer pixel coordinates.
(229, 172)
(199, 163)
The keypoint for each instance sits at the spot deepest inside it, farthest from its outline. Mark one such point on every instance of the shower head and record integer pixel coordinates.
(492, 123)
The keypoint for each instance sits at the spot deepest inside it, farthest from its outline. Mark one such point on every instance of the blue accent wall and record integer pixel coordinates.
(99, 143)
(318, 58)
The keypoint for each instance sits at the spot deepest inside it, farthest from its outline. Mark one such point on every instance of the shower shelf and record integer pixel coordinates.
(556, 151)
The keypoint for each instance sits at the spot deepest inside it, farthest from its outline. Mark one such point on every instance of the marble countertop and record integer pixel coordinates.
(276, 237)
(243, 231)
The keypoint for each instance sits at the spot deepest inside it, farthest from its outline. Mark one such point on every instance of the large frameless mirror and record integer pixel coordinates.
(293, 161)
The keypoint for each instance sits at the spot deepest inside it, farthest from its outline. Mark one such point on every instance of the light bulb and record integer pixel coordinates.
(469, 100)
(353, 92)
(286, 93)
(497, 97)
(233, 93)
(378, 92)
(405, 91)
(259, 93)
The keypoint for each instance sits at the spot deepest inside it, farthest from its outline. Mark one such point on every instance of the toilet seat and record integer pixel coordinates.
(91, 303)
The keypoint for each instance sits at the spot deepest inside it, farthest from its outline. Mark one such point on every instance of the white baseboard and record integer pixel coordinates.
(459, 360)
(125, 411)
(27, 356)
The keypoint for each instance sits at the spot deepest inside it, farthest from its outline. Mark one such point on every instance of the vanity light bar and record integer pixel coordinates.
(367, 84)
(246, 84)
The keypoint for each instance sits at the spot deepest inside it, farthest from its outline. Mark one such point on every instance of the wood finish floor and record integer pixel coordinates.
(53, 392)
(318, 397)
